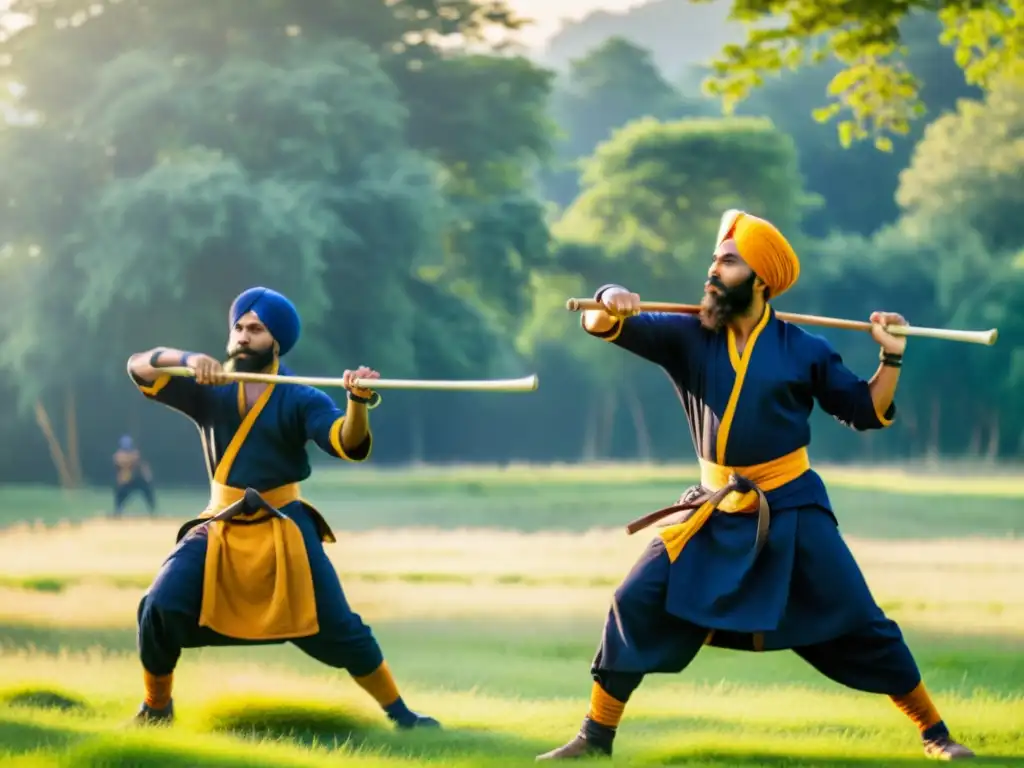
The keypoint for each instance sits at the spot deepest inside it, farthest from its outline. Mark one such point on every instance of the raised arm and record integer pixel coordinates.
(852, 400)
(342, 434)
(186, 395)
(658, 337)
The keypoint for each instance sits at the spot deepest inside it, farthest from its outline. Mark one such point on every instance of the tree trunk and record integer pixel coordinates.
(43, 420)
(974, 444)
(74, 457)
(589, 448)
(992, 450)
(934, 439)
(643, 435)
(416, 438)
(912, 429)
(607, 431)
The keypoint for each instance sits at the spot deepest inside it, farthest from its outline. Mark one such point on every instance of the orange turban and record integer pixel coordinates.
(764, 248)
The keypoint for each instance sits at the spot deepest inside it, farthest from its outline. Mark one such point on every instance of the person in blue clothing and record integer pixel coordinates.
(257, 578)
(756, 562)
(132, 475)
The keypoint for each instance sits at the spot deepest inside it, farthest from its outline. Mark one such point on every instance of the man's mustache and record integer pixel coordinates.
(715, 282)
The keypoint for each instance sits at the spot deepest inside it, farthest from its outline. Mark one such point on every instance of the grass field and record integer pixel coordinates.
(487, 589)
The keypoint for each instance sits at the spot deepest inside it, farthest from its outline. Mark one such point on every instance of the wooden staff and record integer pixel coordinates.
(525, 384)
(986, 338)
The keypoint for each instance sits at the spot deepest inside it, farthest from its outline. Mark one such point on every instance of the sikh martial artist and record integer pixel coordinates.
(753, 559)
(257, 578)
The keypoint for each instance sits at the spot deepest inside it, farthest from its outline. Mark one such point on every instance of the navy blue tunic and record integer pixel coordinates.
(269, 454)
(746, 411)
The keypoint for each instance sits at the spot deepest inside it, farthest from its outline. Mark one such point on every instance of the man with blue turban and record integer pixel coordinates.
(753, 559)
(257, 578)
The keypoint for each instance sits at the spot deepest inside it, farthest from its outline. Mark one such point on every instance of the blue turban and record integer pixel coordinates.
(274, 311)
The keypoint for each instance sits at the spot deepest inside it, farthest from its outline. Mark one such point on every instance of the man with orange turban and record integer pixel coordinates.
(751, 558)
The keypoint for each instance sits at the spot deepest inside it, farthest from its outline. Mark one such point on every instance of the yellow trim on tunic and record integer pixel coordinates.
(242, 433)
(257, 580)
(768, 477)
(740, 363)
(881, 417)
(154, 389)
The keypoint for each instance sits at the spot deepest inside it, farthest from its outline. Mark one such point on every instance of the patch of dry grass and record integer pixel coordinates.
(971, 586)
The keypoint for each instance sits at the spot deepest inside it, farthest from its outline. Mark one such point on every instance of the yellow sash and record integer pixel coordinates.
(257, 584)
(768, 476)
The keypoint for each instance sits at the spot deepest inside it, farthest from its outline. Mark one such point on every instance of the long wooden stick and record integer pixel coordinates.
(525, 384)
(986, 338)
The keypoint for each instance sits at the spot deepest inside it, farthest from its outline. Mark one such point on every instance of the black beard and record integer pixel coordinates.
(717, 310)
(246, 361)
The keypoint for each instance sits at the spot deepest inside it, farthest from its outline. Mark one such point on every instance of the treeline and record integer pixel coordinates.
(430, 204)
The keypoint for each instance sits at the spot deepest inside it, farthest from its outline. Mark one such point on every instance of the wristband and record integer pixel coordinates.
(370, 402)
(154, 359)
(890, 360)
(600, 291)
(184, 358)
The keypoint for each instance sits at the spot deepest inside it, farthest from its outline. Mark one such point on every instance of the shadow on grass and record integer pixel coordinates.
(307, 724)
(18, 736)
(119, 751)
(263, 732)
(318, 725)
(35, 697)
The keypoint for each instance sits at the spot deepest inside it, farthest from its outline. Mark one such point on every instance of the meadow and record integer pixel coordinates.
(487, 588)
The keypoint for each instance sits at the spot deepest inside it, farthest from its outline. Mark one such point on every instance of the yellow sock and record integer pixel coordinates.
(604, 709)
(380, 684)
(918, 706)
(158, 689)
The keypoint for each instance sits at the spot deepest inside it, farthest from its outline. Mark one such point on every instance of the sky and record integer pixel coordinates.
(549, 13)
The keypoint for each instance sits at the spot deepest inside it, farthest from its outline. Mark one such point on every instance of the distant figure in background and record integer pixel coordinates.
(133, 474)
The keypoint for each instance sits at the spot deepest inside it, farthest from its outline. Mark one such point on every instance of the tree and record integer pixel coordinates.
(875, 86)
(655, 192)
(613, 84)
(840, 177)
(966, 171)
(195, 150)
(954, 398)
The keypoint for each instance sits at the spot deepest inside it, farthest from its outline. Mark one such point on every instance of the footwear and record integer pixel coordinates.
(147, 715)
(417, 721)
(944, 748)
(577, 748)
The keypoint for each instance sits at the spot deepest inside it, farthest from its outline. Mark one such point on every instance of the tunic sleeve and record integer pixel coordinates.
(843, 394)
(322, 421)
(180, 393)
(659, 337)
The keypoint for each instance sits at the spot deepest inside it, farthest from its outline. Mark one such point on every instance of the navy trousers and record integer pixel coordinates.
(641, 637)
(168, 615)
(124, 491)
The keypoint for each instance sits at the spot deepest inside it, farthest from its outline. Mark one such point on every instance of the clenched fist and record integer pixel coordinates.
(619, 302)
(207, 370)
(894, 345)
(362, 372)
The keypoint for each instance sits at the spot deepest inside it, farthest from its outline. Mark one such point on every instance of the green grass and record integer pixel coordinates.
(487, 590)
(886, 504)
